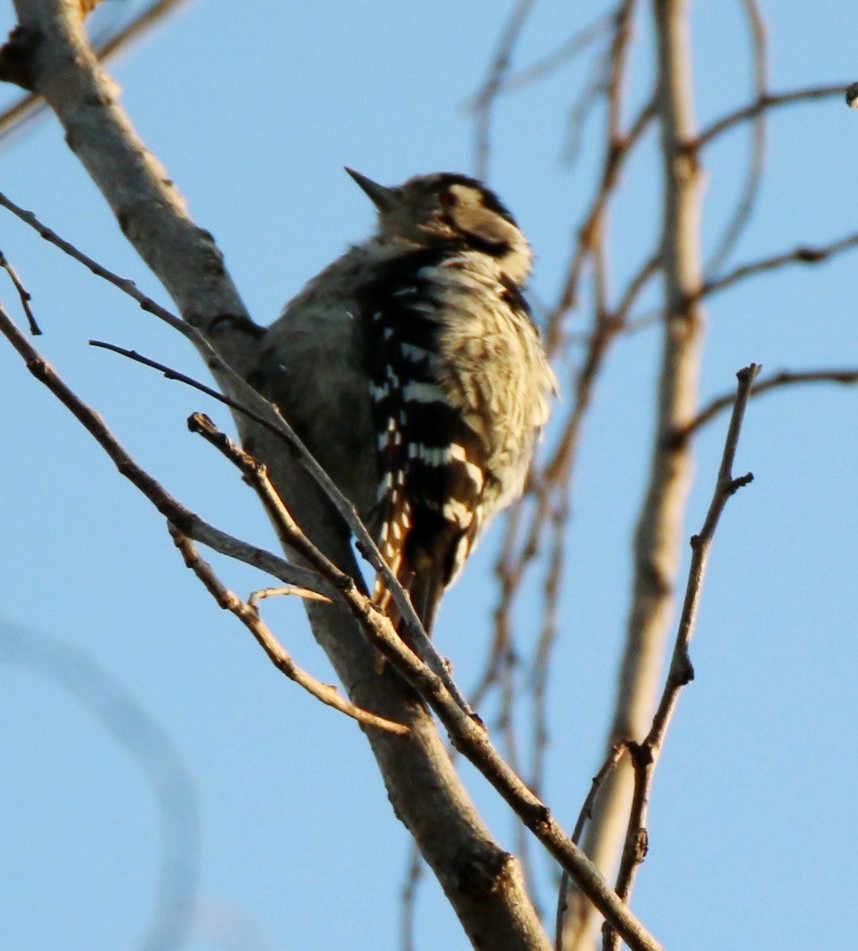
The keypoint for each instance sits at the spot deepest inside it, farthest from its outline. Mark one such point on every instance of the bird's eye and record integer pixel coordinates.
(449, 200)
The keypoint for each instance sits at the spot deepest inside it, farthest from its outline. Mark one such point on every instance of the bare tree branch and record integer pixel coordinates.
(146, 741)
(753, 176)
(281, 659)
(847, 376)
(656, 545)
(767, 102)
(484, 100)
(801, 255)
(23, 294)
(645, 755)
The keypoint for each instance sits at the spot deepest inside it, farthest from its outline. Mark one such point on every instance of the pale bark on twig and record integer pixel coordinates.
(483, 883)
(657, 539)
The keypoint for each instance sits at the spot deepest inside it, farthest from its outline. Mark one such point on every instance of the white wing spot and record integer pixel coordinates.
(420, 392)
(458, 513)
(475, 473)
(414, 353)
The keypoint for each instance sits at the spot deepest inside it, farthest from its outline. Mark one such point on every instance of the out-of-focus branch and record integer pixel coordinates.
(620, 152)
(765, 103)
(146, 741)
(467, 736)
(806, 254)
(803, 255)
(551, 483)
(848, 376)
(753, 176)
(584, 816)
(645, 755)
(484, 100)
(657, 538)
(558, 57)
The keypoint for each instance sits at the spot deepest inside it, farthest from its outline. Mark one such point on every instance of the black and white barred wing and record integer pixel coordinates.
(431, 462)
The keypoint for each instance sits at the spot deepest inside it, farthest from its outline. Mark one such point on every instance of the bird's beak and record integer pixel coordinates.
(382, 197)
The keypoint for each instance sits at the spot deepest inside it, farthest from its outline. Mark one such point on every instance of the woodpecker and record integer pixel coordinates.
(413, 371)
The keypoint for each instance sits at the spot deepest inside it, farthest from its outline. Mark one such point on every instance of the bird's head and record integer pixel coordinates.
(451, 207)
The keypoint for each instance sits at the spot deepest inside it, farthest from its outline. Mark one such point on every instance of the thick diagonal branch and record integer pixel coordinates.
(483, 883)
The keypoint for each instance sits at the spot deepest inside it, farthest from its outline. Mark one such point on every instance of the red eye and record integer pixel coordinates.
(449, 200)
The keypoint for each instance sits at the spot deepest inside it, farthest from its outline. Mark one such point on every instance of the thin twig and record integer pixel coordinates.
(584, 816)
(185, 524)
(284, 591)
(753, 177)
(596, 83)
(124, 284)
(846, 376)
(469, 737)
(802, 255)
(484, 100)
(364, 542)
(249, 617)
(645, 755)
(805, 254)
(769, 101)
(24, 295)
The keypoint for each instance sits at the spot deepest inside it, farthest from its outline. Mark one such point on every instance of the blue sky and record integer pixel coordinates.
(254, 116)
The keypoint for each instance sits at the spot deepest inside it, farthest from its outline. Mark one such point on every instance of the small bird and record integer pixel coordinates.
(412, 370)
